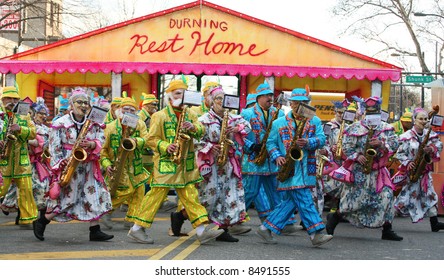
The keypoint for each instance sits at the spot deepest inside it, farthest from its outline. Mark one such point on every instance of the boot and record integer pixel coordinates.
(95, 234)
(332, 221)
(177, 220)
(435, 225)
(303, 226)
(226, 236)
(17, 218)
(389, 234)
(39, 227)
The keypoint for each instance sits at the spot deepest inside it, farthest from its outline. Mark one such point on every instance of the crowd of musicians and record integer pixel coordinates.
(218, 163)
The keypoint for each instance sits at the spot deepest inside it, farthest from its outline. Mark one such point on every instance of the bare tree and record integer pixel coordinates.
(21, 17)
(380, 20)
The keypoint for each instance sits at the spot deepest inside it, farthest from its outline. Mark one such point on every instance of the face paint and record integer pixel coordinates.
(421, 120)
(80, 107)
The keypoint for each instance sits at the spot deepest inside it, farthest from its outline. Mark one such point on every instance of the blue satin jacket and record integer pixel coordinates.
(281, 136)
(255, 116)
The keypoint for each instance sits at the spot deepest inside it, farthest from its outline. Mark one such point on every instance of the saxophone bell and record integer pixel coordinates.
(296, 154)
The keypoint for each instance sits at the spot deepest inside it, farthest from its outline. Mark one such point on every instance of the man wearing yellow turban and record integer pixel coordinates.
(16, 165)
(404, 123)
(131, 186)
(181, 175)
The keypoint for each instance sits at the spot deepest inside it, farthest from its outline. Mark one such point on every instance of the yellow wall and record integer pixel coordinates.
(28, 83)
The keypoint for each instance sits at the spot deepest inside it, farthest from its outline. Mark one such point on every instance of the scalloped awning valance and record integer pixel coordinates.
(28, 66)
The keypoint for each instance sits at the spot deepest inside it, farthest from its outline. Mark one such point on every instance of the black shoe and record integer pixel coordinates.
(303, 226)
(95, 234)
(332, 221)
(177, 220)
(435, 225)
(226, 237)
(390, 235)
(39, 229)
(6, 213)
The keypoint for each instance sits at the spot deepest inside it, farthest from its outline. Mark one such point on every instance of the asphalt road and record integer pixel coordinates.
(70, 241)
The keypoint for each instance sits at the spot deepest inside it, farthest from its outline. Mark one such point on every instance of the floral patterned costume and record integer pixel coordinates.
(368, 201)
(419, 198)
(86, 197)
(221, 192)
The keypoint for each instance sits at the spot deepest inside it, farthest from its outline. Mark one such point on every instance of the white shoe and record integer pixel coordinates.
(291, 229)
(266, 235)
(209, 235)
(140, 236)
(320, 239)
(106, 221)
(239, 229)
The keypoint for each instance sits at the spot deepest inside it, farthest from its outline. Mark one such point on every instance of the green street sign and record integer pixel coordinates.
(419, 79)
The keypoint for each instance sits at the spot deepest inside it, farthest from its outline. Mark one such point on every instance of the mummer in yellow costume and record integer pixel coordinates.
(15, 163)
(122, 151)
(167, 174)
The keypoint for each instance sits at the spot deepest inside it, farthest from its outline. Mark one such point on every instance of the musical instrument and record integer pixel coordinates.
(78, 155)
(9, 139)
(370, 153)
(321, 162)
(127, 145)
(294, 153)
(263, 153)
(181, 139)
(224, 142)
(338, 154)
(422, 159)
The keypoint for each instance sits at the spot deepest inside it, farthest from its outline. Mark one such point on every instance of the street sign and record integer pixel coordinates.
(419, 79)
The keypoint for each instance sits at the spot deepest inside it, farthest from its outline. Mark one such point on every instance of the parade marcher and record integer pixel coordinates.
(332, 188)
(149, 106)
(15, 164)
(255, 176)
(85, 197)
(130, 185)
(418, 198)
(63, 106)
(180, 174)
(295, 131)
(115, 103)
(206, 102)
(367, 201)
(261, 203)
(39, 156)
(221, 190)
(404, 123)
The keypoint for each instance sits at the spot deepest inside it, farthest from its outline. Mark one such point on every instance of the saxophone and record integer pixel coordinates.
(181, 140)
(127, 145)
(338, 154)
(78, 154)
(370, 153)
(294, 153)
(322, 160)
(422, 159)
(9, 139)
(224, 142)
(263, 153)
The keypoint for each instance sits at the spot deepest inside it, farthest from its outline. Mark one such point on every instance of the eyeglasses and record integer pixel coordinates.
(219, 98)
(80, 102)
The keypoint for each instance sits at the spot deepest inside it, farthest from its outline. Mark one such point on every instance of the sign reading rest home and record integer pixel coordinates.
(419, 79)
